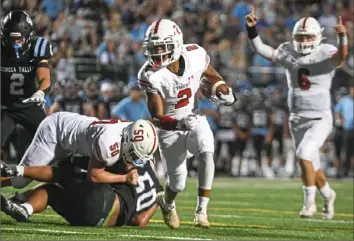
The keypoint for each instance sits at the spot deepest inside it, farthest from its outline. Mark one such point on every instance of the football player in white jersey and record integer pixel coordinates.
(105, 141)
(310, 66)
(171, 77)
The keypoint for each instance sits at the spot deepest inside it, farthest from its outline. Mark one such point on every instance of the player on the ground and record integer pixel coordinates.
(105, 141)
(84, 203)
(24, 65)
(171, 77)
(310, 66)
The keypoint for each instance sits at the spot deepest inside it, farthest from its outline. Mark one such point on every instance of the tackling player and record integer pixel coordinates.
(84, 203)
(104, 141)
(310, 66)
(24, 65)
(171, 77)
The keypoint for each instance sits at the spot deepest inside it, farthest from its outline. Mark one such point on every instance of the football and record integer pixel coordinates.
(206, 86)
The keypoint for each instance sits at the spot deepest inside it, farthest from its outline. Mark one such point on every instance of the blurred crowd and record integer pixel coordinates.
(97, 47)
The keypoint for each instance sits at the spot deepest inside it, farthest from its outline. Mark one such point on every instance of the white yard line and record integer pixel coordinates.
(42, 230)
(228, 216)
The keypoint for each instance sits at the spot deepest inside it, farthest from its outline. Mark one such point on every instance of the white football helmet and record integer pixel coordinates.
(139, 142)
(163, 43)
(307, 26)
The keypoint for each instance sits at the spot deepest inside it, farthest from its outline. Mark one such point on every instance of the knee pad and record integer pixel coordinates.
(20, 182)
(206, 170)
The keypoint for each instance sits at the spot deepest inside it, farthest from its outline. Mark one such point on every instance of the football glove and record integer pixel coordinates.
(8, 170)
(224, 99)
(37, 97)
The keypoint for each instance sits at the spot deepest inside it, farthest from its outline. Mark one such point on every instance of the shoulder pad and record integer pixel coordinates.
(105, 148)
(42, 48)
(197, 57)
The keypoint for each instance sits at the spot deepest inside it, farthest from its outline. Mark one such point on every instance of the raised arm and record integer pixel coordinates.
(341, 56)
(256, 42)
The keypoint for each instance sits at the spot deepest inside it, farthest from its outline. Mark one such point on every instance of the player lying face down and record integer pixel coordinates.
(105, 142)
(83, 203)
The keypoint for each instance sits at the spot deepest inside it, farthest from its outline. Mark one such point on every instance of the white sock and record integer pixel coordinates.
(28, 208)
(202, 203)
(309, 194)
(325, 191)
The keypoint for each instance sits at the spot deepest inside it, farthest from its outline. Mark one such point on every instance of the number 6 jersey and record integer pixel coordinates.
(309, 78)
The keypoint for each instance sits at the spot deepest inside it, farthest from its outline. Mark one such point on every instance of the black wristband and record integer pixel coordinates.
(252, 32)
(43, 65)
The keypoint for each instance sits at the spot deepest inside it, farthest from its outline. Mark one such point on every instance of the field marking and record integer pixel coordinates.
(289, 218)
(262, 226)
(256, 210)
(42, 230)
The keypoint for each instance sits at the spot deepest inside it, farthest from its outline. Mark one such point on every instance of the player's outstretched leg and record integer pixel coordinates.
(166, 201)
(206, 171)
(328, 194)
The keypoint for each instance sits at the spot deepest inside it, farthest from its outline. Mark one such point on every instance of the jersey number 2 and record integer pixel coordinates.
(302, 80)
(185, 94)
(17, 81)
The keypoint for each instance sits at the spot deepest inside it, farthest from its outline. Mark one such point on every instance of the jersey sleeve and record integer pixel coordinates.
(329, 50)
(106, 149)
(42, 48)
(199, 58)
(282, 54)
(149, 80)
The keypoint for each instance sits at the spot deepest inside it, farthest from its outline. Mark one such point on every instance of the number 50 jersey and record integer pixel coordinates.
(309, 78)
(18, 76)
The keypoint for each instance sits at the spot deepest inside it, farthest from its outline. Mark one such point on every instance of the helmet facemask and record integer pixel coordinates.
(159, 53)
(310, 44)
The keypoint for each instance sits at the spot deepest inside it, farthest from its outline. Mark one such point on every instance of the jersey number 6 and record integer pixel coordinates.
(185, 94)
(302, 80)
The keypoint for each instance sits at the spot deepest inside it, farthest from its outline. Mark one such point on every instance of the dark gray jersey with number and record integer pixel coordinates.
(18, 76)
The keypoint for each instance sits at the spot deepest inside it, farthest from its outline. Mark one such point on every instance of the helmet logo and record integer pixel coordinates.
(138, 135)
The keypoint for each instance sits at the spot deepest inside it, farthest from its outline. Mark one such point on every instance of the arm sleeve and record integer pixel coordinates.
(262, 49)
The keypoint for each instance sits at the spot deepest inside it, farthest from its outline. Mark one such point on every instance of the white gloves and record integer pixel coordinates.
(37, 97)
(223, 99)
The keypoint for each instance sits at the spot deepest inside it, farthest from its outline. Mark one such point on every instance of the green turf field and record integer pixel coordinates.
(239, 209)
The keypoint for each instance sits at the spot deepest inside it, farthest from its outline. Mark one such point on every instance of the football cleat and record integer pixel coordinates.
(308, 210)
(328, 206)
(170, 216)
(17, 212)
(201, 219)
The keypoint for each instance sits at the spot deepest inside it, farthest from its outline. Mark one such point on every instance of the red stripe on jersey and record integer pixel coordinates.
(157, 26)
(153, 146)
(304, 23)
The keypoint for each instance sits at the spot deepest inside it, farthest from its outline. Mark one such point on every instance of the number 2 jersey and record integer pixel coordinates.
(177, 90)
(309, 78)
(18, 75)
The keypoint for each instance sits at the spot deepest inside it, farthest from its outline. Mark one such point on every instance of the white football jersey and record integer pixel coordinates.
(177, 91)
(309, 78)
(89, 136)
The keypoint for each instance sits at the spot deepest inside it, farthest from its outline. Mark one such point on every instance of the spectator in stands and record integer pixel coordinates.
(52, 7)
(344, 110)
(133, 107)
